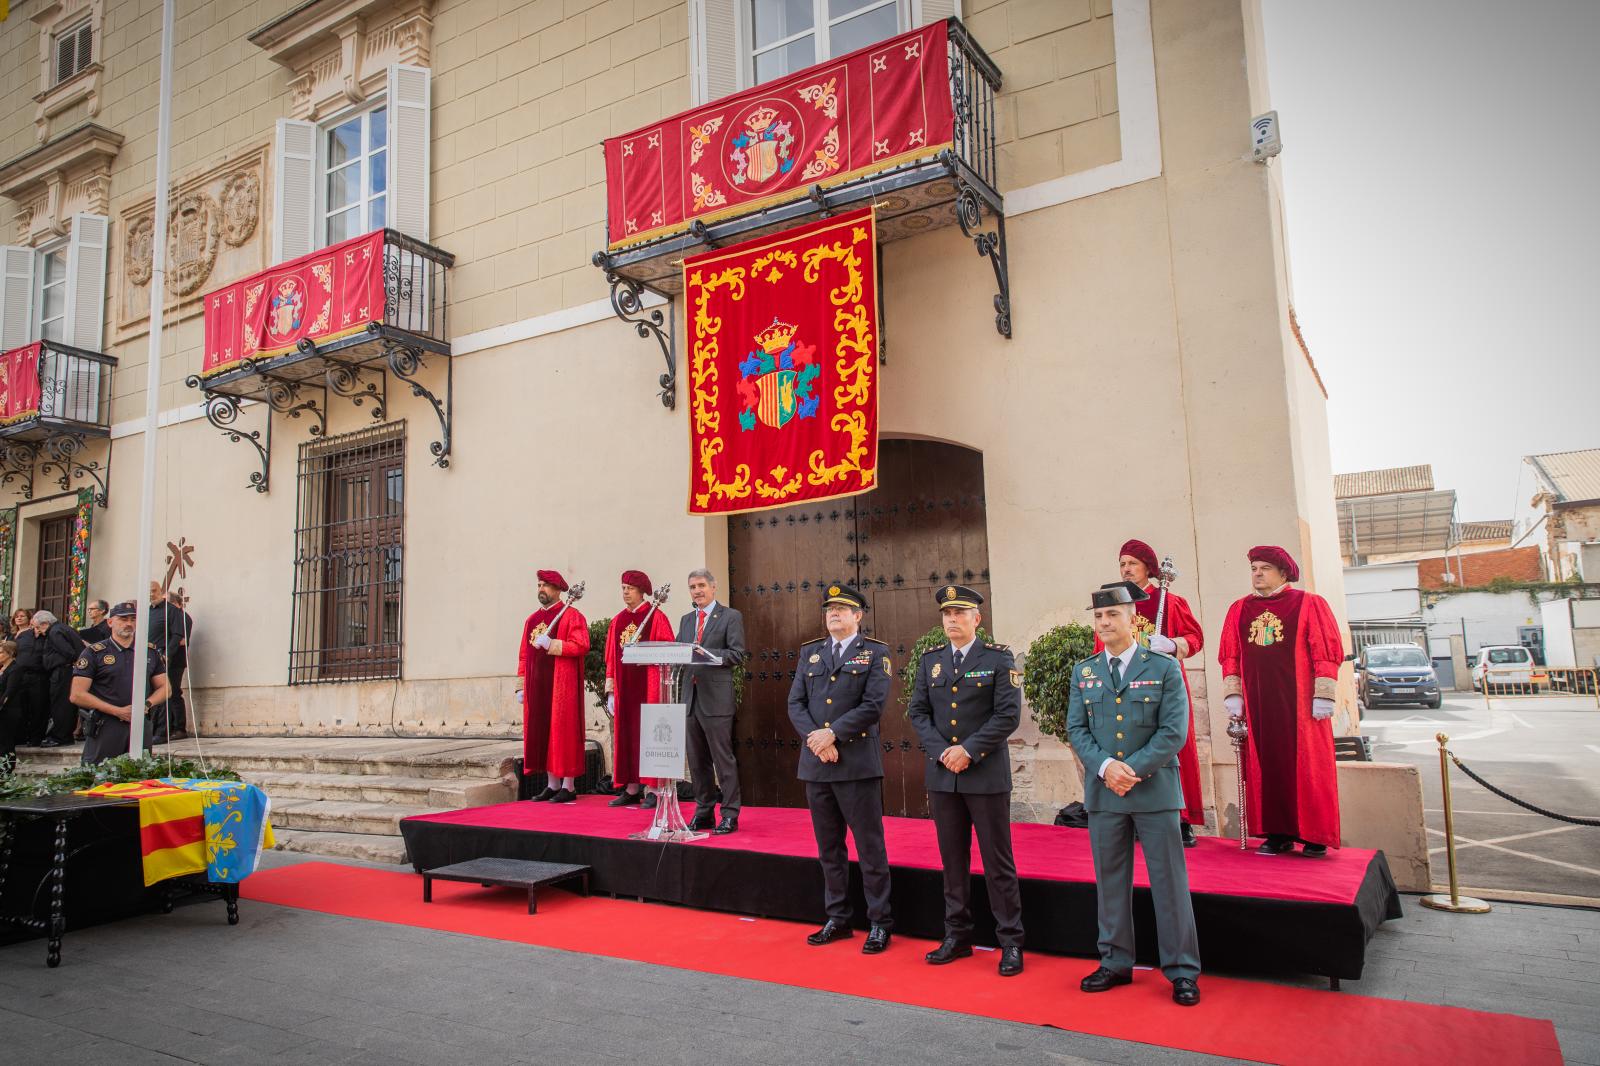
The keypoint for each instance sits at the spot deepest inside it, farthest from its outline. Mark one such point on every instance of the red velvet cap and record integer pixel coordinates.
(638, 579)
(553, 577)
(1271, 553)
(1141, 551)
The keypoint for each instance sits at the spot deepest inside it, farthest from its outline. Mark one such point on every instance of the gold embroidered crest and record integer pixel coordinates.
(1016, 678)
(950, 592)
(833, 590)
(630, 633)
(1088, 671)
(938, 668)
(1143, 629)
(815, 657)
(109, 660)
(1266, 630)
(537, 632)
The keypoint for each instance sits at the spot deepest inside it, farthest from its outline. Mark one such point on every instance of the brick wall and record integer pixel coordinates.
(1480, 568)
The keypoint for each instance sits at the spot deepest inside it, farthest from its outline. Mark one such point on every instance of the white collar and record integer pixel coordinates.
(965, 648)
(1274, 592)
(1126, 658)
(708, 608)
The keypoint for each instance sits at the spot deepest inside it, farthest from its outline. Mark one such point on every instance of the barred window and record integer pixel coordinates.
(349, 554)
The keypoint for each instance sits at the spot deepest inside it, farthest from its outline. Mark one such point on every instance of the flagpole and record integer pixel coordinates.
(152, 395)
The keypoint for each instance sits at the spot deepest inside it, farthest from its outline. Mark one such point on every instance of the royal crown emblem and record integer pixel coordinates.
(286, 309)
(1266, 630)
(775, 382)
(761, 151)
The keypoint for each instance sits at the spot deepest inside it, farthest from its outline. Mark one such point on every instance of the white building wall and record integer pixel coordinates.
(1481, 617)
(1382, 593)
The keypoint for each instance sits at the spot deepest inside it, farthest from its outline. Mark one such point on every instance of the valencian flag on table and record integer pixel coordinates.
(19, 383)
(863, 112)
(188, 826)
(323, 296)
(783, 367)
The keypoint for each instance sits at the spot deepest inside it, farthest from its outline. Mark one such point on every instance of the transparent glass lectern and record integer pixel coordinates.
(670, 657)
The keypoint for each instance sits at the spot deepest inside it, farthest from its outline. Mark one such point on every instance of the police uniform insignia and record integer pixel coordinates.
(1016, 678)
(887, 668)
(833, 590)
(938, 668)
(82, 663)
(1088, 671)
(950, 592)
(109, 660)
(815, 658)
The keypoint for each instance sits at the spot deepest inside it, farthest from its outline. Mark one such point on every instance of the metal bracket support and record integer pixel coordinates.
(222, 411)
(990, 243)
(284, 397)
(350, 382)
(62, 452)
(627, 302)
(406, 362)
(16, 465)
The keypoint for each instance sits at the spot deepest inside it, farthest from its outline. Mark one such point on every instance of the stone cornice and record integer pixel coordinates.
(338, 50)
(68, 174)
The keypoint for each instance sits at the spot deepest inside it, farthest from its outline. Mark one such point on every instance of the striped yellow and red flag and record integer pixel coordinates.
(172, 827)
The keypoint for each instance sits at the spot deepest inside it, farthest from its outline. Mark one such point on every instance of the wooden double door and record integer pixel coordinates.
(921, 529)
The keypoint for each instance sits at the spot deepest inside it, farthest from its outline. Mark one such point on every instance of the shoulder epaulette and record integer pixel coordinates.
(875, 640)
(98, 645)
(815, 640)
(937, 647)
(997, 647)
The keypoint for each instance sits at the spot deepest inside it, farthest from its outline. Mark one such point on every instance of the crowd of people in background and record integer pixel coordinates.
(38, 652)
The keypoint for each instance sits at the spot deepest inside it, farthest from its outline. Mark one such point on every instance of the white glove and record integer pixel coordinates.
(1321, 708)
(1164, 645)
(611, 706)
(542, 642)
(1235, 705)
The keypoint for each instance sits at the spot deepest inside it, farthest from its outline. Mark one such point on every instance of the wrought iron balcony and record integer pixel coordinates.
(53, 399)
(373, 326)
(952, 185)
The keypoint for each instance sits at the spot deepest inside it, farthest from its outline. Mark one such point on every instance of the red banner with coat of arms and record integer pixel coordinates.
(19, 383)
(783, 367)
(321, 297)
(863, 112)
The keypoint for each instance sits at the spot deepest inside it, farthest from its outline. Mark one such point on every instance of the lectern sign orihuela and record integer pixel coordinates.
(662, 740)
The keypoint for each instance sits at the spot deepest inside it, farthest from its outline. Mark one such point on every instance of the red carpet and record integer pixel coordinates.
(1043, 852)
(1240, 1019)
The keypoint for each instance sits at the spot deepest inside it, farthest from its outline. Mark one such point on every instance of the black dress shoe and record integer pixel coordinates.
(50, 742)
(949, 951)
(1188, 835)
(627, 799)
(877, 941)
(703, 820)
(1315, 851)
(548, 793)
(729, 824)
(1185, 992)
(1010, 962)
(648, 803)
(830, 931)
(1275, 845)
(1104, 980)
(565, 795)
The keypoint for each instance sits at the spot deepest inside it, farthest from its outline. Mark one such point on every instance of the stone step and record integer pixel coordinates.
(381, 788)
(364, 846)
(383, 757)
(336, 816)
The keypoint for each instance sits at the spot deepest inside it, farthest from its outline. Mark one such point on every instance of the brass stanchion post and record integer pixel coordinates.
(1455, 902)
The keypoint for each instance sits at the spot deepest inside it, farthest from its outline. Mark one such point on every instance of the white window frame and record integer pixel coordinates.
(44, 251)
(57, 36)
(821, 24)
(363, 111)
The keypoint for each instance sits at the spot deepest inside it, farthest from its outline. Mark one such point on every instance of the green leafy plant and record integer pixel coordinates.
(594, 663)
(1047, 680)
(928, 641)
(120, 770)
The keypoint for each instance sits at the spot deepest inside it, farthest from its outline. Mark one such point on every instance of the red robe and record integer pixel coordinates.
(1279, 651)
(1179, 621)
(552, 694)
(631, 685)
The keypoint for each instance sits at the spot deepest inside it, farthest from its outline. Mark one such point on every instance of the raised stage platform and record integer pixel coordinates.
(1254, 913)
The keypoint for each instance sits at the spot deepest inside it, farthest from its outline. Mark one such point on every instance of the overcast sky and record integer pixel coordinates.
(1442, 179)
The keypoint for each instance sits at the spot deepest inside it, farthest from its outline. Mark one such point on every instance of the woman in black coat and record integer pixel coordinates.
(10, 705)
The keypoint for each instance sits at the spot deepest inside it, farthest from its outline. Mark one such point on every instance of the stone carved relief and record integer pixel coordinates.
(241, 207)
(193, 232)
(214, 236)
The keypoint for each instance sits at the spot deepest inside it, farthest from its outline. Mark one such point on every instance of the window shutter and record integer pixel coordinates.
(410, 108)
(294, 191)
(65, 47)
(16, 297)
(86, 282)
(929, 11)
(717, 36)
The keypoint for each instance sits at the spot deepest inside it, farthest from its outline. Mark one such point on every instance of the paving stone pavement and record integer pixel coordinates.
(289, 987)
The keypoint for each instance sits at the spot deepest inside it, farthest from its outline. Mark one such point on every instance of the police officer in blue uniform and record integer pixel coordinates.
(102, 684)
(966, 704)
(838, 694)
(1127, 718)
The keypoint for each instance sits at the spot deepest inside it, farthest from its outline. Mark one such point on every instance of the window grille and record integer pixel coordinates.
(349, 556)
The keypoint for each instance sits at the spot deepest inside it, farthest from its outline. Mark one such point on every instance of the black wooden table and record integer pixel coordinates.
(506, 873)
(61, 810)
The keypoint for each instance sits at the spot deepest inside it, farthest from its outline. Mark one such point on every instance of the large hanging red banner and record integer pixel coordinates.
(19, 383)
(863, 112)
(783, 367)
(322, 296)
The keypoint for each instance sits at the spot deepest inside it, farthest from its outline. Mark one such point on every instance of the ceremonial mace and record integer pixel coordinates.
(574, 594)
(657, 598)
(1237, 732)
(1168, 574)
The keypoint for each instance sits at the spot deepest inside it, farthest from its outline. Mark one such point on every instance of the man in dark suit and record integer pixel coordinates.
(975, 688)
(837, 697)
(708, 690)
(1127, 717)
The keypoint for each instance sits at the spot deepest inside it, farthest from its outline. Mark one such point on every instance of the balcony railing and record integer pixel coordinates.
(53, 398)
(329, 323)
(953, 184)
